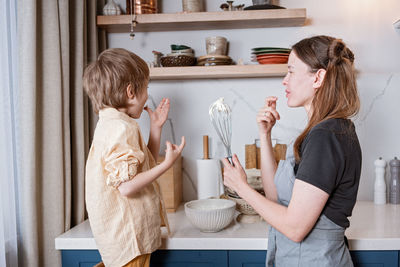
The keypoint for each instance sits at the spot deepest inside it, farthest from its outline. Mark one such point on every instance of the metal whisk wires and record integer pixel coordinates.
(220, 116)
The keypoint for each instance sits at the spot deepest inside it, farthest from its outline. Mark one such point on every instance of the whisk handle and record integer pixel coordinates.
(229, 158)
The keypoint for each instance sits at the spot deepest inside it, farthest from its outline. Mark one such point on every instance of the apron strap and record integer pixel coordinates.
(346, 241)
(316, 233)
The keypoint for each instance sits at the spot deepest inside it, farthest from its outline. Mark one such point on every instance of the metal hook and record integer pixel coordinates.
(133, 19)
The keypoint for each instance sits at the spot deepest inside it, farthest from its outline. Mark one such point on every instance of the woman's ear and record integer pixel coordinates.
(319, 78)
(129, 92)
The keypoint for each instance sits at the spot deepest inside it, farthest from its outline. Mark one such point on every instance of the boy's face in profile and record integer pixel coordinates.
(136, 103)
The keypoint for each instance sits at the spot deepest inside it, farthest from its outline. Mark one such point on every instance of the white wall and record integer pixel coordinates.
(365, 25)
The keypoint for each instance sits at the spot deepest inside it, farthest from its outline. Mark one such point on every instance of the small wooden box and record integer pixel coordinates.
(171, 185)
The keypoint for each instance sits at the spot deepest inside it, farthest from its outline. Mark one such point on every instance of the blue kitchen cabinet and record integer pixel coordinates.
(80, 258)
(160, 258)
(247, 258)
(382, 258)
(222, 258)
(192, 258)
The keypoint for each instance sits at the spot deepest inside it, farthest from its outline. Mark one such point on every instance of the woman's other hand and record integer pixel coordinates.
(159, 116)
(234, 175)
(267, 115)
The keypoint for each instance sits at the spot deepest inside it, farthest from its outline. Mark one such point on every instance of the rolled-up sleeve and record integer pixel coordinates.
(122, 159)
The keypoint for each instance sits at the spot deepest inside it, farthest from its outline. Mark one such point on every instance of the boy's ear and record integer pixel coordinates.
(129, 92)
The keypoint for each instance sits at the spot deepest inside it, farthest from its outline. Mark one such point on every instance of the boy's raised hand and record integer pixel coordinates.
(159, 116)
(173, 151)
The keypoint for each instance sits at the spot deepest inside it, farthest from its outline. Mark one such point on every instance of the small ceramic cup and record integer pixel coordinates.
(216, 45)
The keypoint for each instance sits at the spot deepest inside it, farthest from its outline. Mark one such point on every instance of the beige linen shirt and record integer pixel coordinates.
(123, 227)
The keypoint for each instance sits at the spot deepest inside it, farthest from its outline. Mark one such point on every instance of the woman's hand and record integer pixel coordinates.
(234, 175)
(267, 115)
(173, 151)
(159, 116)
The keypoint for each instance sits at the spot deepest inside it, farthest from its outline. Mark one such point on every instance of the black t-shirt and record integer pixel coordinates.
(331, 160)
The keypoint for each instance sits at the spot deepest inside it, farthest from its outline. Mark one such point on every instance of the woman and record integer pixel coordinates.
(309, 196)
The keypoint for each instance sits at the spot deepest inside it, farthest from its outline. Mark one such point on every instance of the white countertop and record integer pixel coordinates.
(372, 227)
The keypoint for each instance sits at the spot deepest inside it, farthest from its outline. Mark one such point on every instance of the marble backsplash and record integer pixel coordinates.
(374, 41)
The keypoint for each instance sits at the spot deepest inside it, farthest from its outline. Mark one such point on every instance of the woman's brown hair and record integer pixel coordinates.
(106, 79)
(337, 97)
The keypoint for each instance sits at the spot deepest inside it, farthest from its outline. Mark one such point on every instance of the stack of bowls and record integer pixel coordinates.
(181, 55)
(270, 55)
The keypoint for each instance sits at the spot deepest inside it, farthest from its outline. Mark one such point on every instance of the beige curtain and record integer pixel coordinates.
(56, 40)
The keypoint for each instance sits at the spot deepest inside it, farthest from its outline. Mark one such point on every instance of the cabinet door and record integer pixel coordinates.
(375, 258)
(80, 258)
(192, 258)
(247, 258)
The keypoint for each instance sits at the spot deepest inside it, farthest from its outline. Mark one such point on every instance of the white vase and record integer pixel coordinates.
(111, 9)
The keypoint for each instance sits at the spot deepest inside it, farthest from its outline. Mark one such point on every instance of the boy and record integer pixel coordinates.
(123, 199)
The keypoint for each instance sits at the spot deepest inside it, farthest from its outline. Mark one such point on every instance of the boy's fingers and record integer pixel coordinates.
(183, 142)
(169, 145)
(166, 101)
(149, 110)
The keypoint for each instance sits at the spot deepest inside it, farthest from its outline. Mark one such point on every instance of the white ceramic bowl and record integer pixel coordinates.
(210, 215)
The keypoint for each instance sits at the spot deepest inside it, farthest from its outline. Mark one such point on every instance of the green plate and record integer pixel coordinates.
(270, 48)
(179, 47)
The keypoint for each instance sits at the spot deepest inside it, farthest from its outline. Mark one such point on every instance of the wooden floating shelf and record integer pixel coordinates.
(215, 72)
(205, 20)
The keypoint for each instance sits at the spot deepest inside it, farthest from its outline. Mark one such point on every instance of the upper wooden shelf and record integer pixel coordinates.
(205, 20)
(214, 72)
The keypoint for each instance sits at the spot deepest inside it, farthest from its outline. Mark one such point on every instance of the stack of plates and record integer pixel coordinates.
(270, 55)
(213, 60)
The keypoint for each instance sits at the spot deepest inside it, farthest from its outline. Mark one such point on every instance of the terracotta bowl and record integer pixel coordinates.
(178, 61)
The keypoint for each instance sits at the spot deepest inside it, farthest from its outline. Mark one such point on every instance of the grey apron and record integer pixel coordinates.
(323, 246)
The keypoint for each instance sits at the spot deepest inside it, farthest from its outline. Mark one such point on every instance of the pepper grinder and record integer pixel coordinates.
(380, 185)
(394, 190)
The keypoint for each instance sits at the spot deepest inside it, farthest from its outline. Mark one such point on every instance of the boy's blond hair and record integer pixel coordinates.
(106, 79)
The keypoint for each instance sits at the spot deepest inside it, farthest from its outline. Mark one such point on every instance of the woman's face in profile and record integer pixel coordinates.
(298, 83)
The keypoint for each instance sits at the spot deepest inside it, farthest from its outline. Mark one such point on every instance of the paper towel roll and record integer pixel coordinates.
(209, 178)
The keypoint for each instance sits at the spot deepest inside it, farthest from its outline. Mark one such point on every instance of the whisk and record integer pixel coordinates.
(220, 116)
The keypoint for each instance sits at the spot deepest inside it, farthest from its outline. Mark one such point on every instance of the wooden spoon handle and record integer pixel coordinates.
(205, 147)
